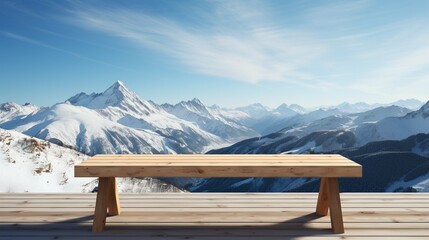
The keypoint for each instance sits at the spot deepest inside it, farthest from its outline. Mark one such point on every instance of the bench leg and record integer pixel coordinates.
(323, 200)
(107, 199)
(329, 197)
(113, 199)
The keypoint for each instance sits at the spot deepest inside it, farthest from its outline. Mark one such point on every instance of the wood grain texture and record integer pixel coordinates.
(101, 205)
(201, 165)
(335, 205)
(328, 167)
(72, 219)
(322, 199)
(113, 204)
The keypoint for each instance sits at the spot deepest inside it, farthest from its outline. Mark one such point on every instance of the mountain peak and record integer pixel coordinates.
(425, 108)
(196, 101)
(7, 106)
(119, 82)
(117, 88)
(116, 95)
(422, 112)
(12, 106)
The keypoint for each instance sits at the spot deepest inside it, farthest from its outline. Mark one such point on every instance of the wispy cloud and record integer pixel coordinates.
(253, 49)
(403, 70)
(41, 44)
(336, 12)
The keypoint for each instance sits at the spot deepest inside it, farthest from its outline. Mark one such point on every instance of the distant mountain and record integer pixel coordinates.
(395, 128)
(119, 121)
(285, 110)
(255, 110)
(32, 165)
(273, 124)
(298, 109)
(342, 121)
(355, 107)
(11, 110)
(115, 121)
(88, 131)
(412, 104)
(371, 138)
(121, 105)
(210, 120)
(387, 165)
(331, 133)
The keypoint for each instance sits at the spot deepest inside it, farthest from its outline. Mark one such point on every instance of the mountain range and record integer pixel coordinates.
(393, 150)
(118, 121)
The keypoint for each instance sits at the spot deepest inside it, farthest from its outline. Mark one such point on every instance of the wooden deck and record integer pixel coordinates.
(215, 216)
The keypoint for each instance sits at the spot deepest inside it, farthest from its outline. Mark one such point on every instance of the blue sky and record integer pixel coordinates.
(230, 53)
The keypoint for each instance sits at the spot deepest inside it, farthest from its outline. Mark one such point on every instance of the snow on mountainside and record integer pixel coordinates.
(123, 106)
(412, 104)
(355, 107)
(32, 165)
(395, 128)
(273, 124)
(210, 120)
(229, 114)
(391, 143)
(90, 132)
(345, 121)
(388, 165)
(255, 110)
(117, 95)
(338, 132)
(115, 121)
(11, 110)
(285, 110)
(358, 107)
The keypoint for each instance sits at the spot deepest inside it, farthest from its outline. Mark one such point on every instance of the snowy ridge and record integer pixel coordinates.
(210, 120)
(89, 132)
(32, 165)
(115, 121)
(11, 110)
(347, 122)
(395, 128)
(388, 165)
(412, 104)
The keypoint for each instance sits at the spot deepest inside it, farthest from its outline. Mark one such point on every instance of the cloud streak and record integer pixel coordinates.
(251, 51)
(41, 44)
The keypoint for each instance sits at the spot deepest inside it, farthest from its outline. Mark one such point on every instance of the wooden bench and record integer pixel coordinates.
(327, 167)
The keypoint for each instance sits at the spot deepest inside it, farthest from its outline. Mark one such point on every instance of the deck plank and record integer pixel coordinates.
(215, 216)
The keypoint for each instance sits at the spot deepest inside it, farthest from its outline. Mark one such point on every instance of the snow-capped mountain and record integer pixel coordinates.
(355, 107)
(340, 131)
(88, 131)
(29, 164)
(274, 124)
(411, 103)
(344, 121)
(11, 110)
(285, 110)
(358, 107)
(115, 121)
(116, 96)
(255, 110)
(210, 120)
(123, 106)
(395, 128)
(388, 165)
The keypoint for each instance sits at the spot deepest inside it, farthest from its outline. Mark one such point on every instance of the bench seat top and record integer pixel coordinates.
(218, 165)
